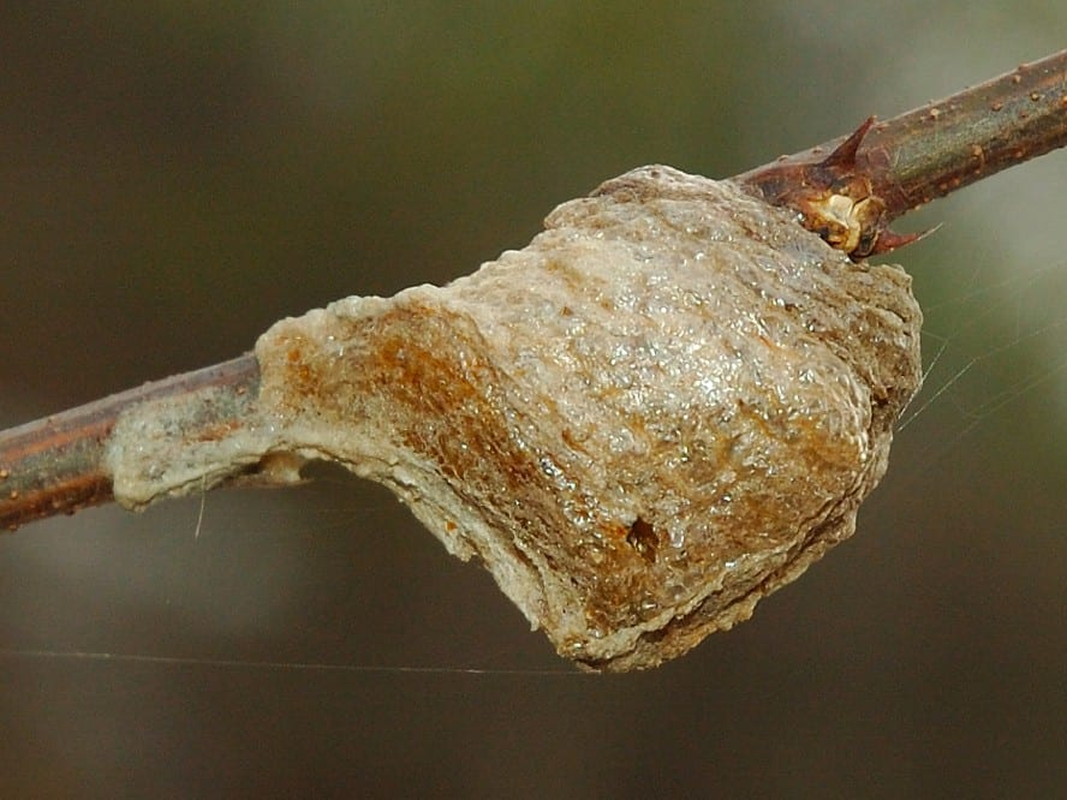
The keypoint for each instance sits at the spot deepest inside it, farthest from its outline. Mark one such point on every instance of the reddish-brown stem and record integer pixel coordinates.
(851, 188)
(848, 190)
(56, 465)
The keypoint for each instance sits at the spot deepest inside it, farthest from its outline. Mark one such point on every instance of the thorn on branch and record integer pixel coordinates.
(836, 198)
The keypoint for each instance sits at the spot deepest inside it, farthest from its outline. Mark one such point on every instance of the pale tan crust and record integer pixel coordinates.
(667, 405)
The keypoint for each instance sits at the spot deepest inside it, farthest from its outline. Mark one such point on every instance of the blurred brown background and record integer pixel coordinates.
(176, 176)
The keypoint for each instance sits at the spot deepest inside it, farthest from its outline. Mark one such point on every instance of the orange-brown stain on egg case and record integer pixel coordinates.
(455, 412)
(302, 378)
(428, 367)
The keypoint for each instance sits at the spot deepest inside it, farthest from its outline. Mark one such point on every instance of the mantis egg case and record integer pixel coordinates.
(666, 406)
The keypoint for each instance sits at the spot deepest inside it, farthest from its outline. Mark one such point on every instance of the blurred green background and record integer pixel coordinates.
(179, 175)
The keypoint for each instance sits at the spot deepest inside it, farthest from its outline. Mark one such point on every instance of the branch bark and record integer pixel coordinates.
(848, 190)
(855, 186)
(56, 465)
